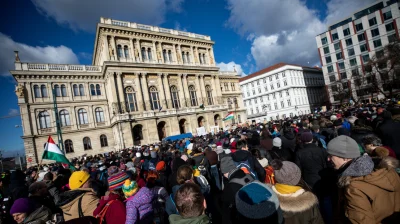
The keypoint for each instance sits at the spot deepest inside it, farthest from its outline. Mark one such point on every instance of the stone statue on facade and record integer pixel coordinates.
(178, 56)
(211, 60)
(19, 91)
(110, 51)
(137, 54)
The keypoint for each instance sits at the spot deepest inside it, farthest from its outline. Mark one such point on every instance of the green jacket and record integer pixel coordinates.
(177, 219)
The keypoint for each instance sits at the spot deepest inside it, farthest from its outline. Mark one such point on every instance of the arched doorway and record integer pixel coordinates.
(200, 121)
(161, 130)
(182, 126)
(217, 120)
(137, 134)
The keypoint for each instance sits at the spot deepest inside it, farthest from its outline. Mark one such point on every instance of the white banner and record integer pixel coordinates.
(201, 131)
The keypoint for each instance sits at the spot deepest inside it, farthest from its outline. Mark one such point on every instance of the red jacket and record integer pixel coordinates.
(116, 213)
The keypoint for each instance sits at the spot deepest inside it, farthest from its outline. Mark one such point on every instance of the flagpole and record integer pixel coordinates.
(59, 133)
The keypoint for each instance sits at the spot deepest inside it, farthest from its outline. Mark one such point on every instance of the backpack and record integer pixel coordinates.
(269, 175)
(82, 218)
(101, 216)
(243, 181)
(245, 166)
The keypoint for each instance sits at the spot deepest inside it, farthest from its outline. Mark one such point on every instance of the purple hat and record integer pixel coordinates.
(306, 136)
(23, 205)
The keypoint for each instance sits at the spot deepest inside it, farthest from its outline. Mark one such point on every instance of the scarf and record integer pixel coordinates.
(286, 189)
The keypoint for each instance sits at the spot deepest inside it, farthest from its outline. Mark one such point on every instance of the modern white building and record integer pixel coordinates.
(282, 90)
(347, 46)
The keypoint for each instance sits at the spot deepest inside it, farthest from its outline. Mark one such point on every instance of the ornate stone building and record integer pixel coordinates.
(146, 83)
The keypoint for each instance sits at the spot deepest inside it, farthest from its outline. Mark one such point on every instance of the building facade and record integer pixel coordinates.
(146, 83)
(347, 46)
(282, 90)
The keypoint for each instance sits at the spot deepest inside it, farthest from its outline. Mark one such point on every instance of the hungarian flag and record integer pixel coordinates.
(52, 152)
(228, 117)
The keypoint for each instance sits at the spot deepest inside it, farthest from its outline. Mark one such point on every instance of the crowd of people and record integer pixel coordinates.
(339, 166)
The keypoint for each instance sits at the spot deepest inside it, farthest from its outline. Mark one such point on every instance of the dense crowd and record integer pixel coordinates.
(339, 166)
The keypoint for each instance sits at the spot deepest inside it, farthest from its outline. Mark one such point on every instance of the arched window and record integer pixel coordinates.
(92, 90)
(44, 120)
(144, 55)
(155, 100)
(43, 90)
(99, 115)
(68, 146)
(57, 90)
(86, 143)
(76, 90)
(130, 98)
(98, 90)
(103, 141)
(150, 57)
(193, 96)
(165, 56)
(175, 97)
(209, 95)
(36, 91)
(63, 90)
(126, 51)
(83, 118)
(81, 90)
(170, 56)
(64, 118)
(188, 57)
(119, 51)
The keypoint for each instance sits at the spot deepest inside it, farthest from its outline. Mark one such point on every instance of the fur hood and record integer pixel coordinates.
(296, 202)
(362, 129)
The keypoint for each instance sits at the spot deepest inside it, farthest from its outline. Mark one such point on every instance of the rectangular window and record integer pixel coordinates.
(392, 38)
(389, 27)
(363, 48)
(265, 80)
(270, 78)
(359, 27)
(372, 21)
(330, 68)
(339, 56)
(326, 50)
(343, 75)
(353, 62)
(354, 72)
(337, 46)
(328, 59)
(365, 58)
(375, 32)
(349, 42)
(387, 15)
(341, 65)
(346, 31)
(350, 51)
(361, 37)
(377, 43)
(335, 36)
(332, 78)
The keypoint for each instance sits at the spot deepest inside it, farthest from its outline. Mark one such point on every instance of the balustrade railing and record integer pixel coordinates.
(58, 67)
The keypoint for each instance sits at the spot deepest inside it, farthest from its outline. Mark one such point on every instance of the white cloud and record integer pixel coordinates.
(230, 66)
(285, 30)
(13, 112)
(49, 54)
(84, 15)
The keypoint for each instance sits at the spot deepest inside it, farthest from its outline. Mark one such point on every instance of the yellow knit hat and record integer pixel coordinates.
(77, 179)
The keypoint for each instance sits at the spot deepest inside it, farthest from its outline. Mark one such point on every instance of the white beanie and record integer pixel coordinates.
(138, 154)
(102, 168)
(41, 176)
(145, 154)
(263, 162)
(277, 142)
(227, 151)
(232, 139)
(219, 149)
(153, 154)
(333, 118)
(45, 169)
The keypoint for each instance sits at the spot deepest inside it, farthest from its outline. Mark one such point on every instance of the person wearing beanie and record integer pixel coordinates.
(277, 152)
(161, 195)
(364, 201)
(116, 212)
(214, 173)
(24, 210)
(297, 204)
(257, 203)
(162, 174)
(139, 207)
(219, 149)
(80, 195)
(244, 156)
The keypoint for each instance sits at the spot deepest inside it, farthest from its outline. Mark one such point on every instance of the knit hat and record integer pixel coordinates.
(129, 188)
(117, 180)
(129, 165)
(227, 164)
(112, 170)
(277, 142)
(184, 157)
(257, 201)
(23, 205)
(286, 172)
(343, 146)
(219, 150)
(306, 136)
(77, 179)
(333, 118)
(263, 162)
(160, 166)
(227, 151)
(138, 154)
(153, 154)
(212, 157)
(343, 131)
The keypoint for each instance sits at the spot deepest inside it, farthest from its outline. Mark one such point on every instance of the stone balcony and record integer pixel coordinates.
(152, 28)
(56, 67)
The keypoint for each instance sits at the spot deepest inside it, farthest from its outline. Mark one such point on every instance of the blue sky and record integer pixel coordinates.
(248, 34)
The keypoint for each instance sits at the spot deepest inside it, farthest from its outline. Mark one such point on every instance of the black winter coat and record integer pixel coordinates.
(283, 154)
(289, 140)
(360, 132)
(389, 131)
(243, 155)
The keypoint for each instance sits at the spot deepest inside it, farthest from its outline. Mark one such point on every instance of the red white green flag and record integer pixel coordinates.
(228, 117)
(52, 152)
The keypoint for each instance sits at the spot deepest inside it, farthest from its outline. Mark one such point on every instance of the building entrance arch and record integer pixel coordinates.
(200, 121)
(182, 128)
(137, 134)
(162, 133)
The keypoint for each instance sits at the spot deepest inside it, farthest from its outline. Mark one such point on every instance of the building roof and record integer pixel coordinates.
(274, 67)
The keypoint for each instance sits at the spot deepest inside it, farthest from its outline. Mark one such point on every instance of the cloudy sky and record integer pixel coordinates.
(248, 34)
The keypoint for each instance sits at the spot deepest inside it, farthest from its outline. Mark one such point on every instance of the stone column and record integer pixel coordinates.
(28, 88)
(179, 55)
(154, 58)
(145, 91)
(138, 55)
(203, 89)
(160, 50)
(113, 50)
(175, 59)
(121, 91)
(131, 50)
(196, 56)
(139, 93)
(161, 90)
(186, 90)
(199, 93)
(214, 89)
(211, 55)
(182, 92)
(167, 91)
(105, 42)
(192, 55)
(218, 89)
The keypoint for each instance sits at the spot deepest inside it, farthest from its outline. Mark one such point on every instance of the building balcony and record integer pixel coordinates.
(56, 67)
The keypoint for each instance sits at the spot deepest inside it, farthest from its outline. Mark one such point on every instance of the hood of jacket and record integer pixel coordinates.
(241, 155)
(144, 195)
(289, 135)
(362, 129)
(70, 197)
(177, 219)
(41, 214)
(296, 202)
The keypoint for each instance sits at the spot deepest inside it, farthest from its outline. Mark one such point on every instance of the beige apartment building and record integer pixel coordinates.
(145, 83)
